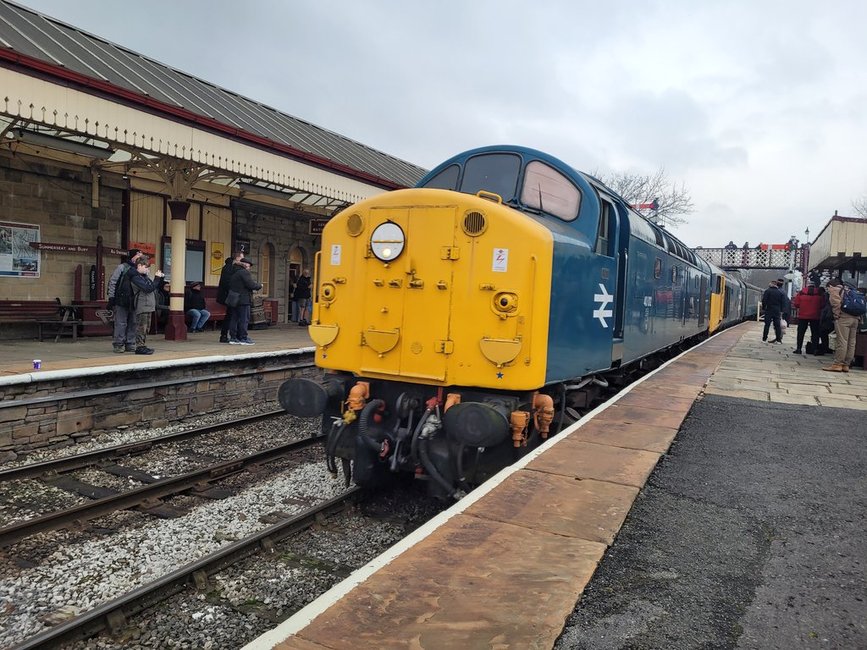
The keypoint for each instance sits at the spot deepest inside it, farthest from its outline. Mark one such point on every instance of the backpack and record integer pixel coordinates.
(123, 290)
(854, 303)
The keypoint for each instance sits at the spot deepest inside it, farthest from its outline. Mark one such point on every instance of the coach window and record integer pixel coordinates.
(495, 172)
(547, 190)
(447, 179)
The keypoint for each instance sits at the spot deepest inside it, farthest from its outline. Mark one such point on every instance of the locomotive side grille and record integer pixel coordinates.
(354, 225)
(474, 223)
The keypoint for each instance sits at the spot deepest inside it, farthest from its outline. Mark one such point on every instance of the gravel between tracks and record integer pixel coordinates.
(75, 578)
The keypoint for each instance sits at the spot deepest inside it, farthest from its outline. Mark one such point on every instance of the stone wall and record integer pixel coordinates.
(261, 225)
(57, 198)
(60, 413)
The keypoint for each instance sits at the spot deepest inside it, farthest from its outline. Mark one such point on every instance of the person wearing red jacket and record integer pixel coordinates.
(808, 302)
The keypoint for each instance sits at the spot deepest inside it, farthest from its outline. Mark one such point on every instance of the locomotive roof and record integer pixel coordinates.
(588, 184)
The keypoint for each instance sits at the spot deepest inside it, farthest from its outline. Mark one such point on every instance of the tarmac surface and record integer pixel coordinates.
(750, 533)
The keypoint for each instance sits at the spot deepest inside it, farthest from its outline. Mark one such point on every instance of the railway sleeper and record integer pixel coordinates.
(156, 508)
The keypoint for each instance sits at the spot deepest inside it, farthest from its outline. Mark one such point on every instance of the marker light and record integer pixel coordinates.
(387, 241)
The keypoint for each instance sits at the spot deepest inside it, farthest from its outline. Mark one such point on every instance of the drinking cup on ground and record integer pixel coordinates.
(37, 364)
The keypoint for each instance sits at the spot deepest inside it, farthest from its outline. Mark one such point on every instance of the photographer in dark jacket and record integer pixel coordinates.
(243, 284)
(232, 264)
(773, 301)
(302, 297)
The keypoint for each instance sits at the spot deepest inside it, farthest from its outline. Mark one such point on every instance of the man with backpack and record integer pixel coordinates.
(848, 306)
(120, 302)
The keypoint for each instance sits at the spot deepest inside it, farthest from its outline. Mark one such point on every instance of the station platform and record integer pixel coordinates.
(718, 502)
(89, 355)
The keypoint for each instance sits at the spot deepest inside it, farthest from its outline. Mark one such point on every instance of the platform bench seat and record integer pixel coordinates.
(49, 314)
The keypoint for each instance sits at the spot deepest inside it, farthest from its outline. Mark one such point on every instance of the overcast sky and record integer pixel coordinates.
(758, 107)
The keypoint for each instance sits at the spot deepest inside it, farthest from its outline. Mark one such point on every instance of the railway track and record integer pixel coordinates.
(113, 615)
(92, 458)
(147, 498)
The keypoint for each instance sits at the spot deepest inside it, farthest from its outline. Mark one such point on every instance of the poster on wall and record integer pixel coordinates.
(18, 258)
(217, 257)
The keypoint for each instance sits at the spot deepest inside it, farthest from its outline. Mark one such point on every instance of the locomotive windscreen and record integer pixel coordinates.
(494, 172)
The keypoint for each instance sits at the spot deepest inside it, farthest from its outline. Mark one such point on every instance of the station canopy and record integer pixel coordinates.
(69, 90)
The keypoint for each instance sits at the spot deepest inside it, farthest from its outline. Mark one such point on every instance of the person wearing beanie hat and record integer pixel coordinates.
(241, 288)
(124, 315)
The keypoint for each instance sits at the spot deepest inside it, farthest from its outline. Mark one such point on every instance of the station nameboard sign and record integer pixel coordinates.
(317, 225)
(74, 248)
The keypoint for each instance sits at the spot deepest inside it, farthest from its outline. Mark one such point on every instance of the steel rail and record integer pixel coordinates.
(113, 614)
(90, 458)
(146, 496)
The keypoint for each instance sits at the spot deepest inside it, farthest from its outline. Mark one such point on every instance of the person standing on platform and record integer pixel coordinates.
(772, 305)
(826, 324)
(144, 292)
(232, 264)
(293, 304)
(119, 302)
(194, 306)
(845, 327)
(243, 284)
(302, 296)
(787, 304)
(809, 303)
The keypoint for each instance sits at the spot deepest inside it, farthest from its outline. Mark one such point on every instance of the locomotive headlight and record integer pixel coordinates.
(387, 241)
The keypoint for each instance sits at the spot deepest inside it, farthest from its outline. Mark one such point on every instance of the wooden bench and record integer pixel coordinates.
(44, 314)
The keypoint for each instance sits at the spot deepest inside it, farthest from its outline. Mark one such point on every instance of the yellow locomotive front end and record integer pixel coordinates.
(434, 287)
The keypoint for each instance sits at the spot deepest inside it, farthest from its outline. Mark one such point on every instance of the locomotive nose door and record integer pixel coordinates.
(407, 301)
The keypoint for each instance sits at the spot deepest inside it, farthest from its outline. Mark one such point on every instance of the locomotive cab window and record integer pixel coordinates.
(603, 236)
(547, 190)
(496, 173)
(447, 179)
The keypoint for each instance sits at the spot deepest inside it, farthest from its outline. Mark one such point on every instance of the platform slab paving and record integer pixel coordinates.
(774, 373)
(536, 538)
(16, 357)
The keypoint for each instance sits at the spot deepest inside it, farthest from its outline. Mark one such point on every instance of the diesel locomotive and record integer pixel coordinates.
(461, 322)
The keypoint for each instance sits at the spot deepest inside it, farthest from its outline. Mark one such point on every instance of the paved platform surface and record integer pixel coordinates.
(16, 357)
(747, 535)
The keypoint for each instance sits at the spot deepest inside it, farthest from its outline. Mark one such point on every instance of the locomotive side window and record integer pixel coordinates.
(496, 172)
(447, 179)
(547, 190)
(603, 235)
